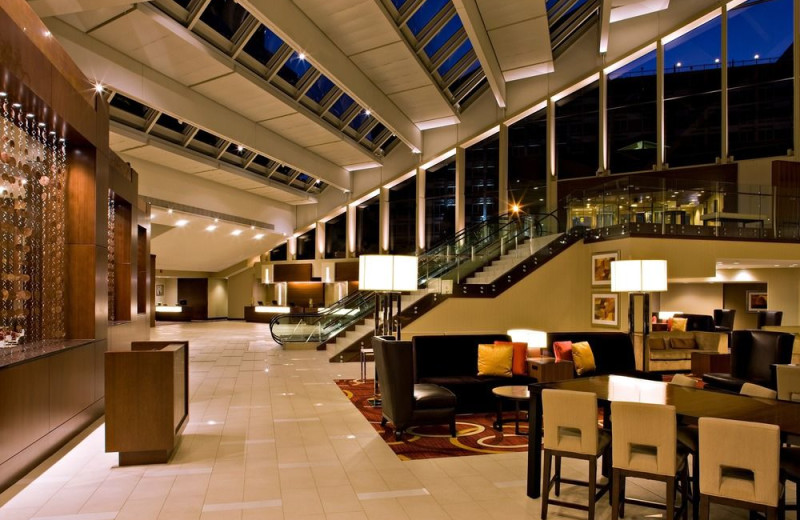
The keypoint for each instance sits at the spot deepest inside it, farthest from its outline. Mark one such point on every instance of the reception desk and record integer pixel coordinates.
(173, 313)
(263, 313)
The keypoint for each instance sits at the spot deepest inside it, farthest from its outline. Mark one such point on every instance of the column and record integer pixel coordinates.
(383, 221)
(351, 230)
(421, 176)
(552, 180)
(461, 176)
(319, 254)
(602, 141)
(724, 141)
(502, 171)
(660, 145)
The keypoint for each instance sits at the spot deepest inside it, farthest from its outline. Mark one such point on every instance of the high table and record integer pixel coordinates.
(690, 404)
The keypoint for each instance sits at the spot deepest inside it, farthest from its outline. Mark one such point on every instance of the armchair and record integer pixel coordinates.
(701, 322)
(753, 354)
(769, 319)
(404, 403)
(723, 319)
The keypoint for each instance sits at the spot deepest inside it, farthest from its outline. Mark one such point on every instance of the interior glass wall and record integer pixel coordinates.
(631, 96)
(306, 245)
(368, 226)
(527, 162)
(481, 194)
(440, 202)
(279, 253)
(760, 72)
(692, 100)
(577, 127)
(336, 236)
(402, 217)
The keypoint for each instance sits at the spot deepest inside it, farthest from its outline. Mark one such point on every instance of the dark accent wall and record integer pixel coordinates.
(346, 271)
(292, 272)
(195, 292)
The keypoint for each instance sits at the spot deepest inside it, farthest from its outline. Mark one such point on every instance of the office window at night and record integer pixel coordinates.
(527, 162)
(279, 253)
(481, 195)
(368, 215)
(402, 217)
(760, 78)
(336, 237)
(577, 124)
(692, 99)
(306, 244)
(440, 202)
(632, 116)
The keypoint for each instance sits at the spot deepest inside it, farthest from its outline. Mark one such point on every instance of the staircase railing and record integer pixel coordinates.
(453, 259)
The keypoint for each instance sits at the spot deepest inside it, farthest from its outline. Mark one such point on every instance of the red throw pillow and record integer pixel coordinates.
(519, 365)
(563, 350)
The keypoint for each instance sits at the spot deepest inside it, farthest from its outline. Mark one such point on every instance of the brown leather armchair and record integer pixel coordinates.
(753, 354)
(769, 319)
(404, 403)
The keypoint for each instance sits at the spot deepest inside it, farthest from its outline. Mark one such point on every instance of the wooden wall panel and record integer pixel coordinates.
(142, 261)
(82, 200)
(24, 414)
(80, 297)
(298, 294)
(71, 383)
(292, 272)
(346, 271)
(195, 292)
(122, 259)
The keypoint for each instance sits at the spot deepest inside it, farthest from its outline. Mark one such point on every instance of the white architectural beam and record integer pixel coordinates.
(100, 62)
(473, 23)
(605, 23)
(295, 28)
(45, 8)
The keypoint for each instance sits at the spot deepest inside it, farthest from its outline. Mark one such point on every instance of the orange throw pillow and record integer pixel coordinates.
(562, 350)
(519, 364)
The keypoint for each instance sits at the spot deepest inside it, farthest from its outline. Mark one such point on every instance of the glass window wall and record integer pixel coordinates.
(402, 217)
(577, 125)
(336, 237)
(481, 195)
(440, 202)
(527, 162)
(368, 226)
(306, 244)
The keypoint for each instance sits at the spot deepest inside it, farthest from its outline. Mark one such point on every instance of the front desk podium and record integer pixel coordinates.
(147, 400)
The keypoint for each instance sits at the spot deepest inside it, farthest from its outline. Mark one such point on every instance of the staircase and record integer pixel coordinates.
(510, 260)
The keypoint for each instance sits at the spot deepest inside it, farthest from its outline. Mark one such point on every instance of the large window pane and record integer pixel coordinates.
(279, 253)
(306, 244)
(692, 100)
(402, 217)
(481, 195)
(632, 116)
(760, 43)
(527, 162)
(440, 202)
(577, 124)
(336, 237)
(367, 226)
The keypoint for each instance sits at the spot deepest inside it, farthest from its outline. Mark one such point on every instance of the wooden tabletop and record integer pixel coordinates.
(518, 392)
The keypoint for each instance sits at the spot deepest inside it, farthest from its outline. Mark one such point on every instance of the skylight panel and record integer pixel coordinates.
(129, 105)
(183, 3)
(294, 69)
(424, 15)
(224, 16)
(447, 32)
(263, 45)
(451, 60)
(341, 105)
(320, 89)
(360, 119)
(170, 123)
(398, 3)
(303, 178)
(375, 132)
(207, 138)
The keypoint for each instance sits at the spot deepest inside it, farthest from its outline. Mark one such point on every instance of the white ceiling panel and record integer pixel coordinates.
(138, 36)
(168, 159)
(279, 195)
(120, 143)
(249, 100)
(421, 104)
(88, 20)
(522, 44)
(353, 25)
(391, 68)
(338, 152)
(499, 14)
(230, 179)
(299, 129)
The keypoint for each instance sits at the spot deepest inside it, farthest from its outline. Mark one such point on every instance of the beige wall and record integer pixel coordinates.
(244, 289)
(692, 298)
(217, 298)
(170, 291)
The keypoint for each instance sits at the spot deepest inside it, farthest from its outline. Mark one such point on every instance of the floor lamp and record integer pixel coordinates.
(639, 278)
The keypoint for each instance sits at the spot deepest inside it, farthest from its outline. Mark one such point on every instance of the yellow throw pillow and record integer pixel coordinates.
(679, 324)
(583, 358)
(495, 360)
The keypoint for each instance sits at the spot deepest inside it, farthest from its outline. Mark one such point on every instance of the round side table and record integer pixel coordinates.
(518, 394)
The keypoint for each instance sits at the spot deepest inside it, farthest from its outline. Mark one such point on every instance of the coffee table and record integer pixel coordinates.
(704, 362)
(518, 394)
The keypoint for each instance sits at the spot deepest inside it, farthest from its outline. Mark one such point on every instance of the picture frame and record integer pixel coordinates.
(605, 309)
(757, 301)
(601, 267)
(159, 289)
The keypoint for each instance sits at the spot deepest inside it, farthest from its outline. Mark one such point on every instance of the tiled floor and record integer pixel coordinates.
(271, 437)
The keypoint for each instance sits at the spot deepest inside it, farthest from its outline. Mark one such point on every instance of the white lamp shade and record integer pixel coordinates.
(534, 338)
(639, 276)
(387, 273)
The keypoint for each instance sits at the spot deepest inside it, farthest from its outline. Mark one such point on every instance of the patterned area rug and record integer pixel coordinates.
(475, 435)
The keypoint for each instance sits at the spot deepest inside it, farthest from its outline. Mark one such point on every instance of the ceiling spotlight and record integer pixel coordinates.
(367, 112)
(169, 211)
(240, 148)
(236, 232)
(99, 88)
(252, 228)
(216, 220)
(181, 222)
(211, 228)
(301, 56)
(259, 236)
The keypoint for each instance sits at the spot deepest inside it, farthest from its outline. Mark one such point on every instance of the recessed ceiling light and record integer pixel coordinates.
(301, 56)
(181, 222)
(216, 220)
(169, 211)
(367, 112)
(240, 148)
(236, 232)
(259, 236)
(99, 88)
(211, 228)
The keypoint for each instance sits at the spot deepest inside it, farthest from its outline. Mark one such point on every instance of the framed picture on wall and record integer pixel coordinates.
(601, 267)
(159, 290)
(605, 311)
(757, 301)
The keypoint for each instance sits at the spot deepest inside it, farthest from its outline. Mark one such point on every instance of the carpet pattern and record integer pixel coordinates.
(475, 434)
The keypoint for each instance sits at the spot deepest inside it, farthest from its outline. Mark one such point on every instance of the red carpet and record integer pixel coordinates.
(475, 435)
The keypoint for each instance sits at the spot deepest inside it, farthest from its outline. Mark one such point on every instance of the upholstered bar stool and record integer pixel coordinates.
(739, 466)
(644, 445)
(789, 390)
(763, 392)
(570, 430)
(687, 436)
(788, 382)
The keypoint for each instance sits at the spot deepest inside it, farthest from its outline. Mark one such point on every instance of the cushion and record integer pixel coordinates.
(679, 343)
(495, 360)
(519, 357)
(583, 358)
(679, 324)
(562, 350)
(656, 343)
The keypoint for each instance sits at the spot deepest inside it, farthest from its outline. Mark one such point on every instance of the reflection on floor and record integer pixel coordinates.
(270, 436)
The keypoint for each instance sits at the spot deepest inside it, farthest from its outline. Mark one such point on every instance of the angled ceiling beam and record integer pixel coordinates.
(99, 62)
(605, 22)
(291, 24)
(473, 23)
(162, 144)
(45, 8)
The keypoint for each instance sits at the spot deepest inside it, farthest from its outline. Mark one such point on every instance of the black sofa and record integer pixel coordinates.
(613, 352)
(451, 361)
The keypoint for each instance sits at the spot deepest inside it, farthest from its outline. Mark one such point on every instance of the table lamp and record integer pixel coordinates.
(536, 340)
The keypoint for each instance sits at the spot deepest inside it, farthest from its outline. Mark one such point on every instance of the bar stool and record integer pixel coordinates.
(570, 430)
(687, 436)
(644, 445)
(763, 392)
